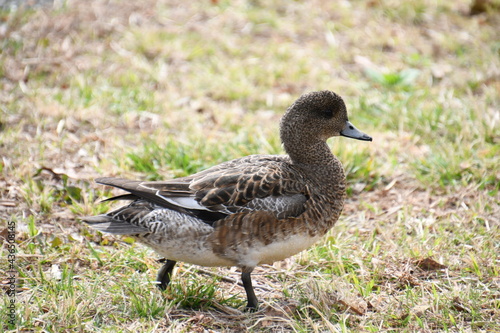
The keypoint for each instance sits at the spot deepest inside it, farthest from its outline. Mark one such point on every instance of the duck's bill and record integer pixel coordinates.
(351, 131)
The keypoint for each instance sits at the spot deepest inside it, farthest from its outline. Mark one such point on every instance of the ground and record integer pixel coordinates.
(161, 89)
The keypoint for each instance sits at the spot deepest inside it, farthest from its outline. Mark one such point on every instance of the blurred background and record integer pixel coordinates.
(161, 89)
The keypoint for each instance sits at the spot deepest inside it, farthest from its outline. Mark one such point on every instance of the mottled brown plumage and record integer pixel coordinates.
(250, 211)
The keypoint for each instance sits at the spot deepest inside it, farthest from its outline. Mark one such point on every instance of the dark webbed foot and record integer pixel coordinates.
(253, 303)
(165, 273)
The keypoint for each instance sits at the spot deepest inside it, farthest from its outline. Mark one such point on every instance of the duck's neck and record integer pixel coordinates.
(311, 152)
(325, 171)
(317, 161)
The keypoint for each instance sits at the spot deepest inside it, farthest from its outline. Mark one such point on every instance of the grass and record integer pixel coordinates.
(159, 90)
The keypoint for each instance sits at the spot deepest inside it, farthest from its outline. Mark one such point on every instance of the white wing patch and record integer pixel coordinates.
(184, 202)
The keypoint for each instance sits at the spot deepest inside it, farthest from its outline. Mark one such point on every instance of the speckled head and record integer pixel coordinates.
(317, 115)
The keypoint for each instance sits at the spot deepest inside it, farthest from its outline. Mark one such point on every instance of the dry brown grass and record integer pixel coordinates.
(89, 87)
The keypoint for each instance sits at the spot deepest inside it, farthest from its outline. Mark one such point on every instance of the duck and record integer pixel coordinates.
(253, 210)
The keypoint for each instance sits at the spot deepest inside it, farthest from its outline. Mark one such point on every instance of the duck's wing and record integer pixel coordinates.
(253, 183)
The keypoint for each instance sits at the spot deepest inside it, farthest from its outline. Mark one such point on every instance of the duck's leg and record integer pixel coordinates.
(165, 273)
(253, 303)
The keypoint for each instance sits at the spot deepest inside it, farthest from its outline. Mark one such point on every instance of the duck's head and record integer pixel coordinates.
(318, 115)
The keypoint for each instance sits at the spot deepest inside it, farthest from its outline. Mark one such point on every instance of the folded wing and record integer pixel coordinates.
(251, 183)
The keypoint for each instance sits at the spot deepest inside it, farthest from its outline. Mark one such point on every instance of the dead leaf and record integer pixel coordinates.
(429, 264)
(286, 308)
(357, 310)
(4, 233)
(56, 242)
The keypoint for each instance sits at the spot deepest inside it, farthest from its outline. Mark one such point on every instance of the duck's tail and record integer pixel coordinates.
(126, 220)
(106, 223)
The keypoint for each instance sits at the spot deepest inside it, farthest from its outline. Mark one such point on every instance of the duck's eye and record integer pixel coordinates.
(329, 113)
